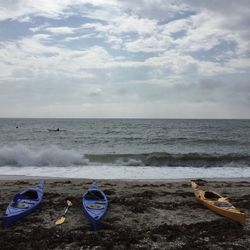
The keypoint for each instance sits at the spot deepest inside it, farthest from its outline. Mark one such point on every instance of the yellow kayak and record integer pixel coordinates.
(217, 203)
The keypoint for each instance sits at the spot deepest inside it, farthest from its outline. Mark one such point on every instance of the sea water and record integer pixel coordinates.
(125, 148)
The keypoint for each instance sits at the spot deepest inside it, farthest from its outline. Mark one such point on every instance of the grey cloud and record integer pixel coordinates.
(152, 99)
(223, 6)
(205, 90)
(217, 91)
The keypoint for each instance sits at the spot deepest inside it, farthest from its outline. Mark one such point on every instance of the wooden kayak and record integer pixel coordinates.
(95, 204)
(217, 203)
(23, 204)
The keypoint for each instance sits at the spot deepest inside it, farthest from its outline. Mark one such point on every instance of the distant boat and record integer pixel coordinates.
(95, 204)
(217, 203)
(23, 204)
(54, 130)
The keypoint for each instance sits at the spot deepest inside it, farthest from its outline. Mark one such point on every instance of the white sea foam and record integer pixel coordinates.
(129, 162)
(125, 172)
(20, 155)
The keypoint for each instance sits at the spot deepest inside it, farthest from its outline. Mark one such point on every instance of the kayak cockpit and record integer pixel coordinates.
(211, 195)
(29, 195)
(25, 200)
(94, 195)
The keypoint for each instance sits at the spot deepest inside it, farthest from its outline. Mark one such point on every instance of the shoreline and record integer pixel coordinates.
(7, 177)
(142, 214)
(128, 172)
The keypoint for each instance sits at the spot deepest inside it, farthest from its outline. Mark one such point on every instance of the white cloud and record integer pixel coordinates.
(40, 59)
(74, 38)
(60, 30)
(20, 9)
(127, 24)
(39, 28)
(154, 43)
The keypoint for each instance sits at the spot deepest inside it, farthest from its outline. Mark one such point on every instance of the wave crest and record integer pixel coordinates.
(163, 159)
(20, 155)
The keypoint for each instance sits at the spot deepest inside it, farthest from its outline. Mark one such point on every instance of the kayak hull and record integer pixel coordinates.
(23, 204)
(218, 204)
(95, 205)
(9, 220)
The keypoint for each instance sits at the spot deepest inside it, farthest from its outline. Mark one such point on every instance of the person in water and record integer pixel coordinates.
(57, 129)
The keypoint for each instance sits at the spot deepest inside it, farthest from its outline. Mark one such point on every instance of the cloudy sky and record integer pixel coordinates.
(117, 58)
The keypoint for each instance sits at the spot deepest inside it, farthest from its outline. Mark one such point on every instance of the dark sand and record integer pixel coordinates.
(141, 215)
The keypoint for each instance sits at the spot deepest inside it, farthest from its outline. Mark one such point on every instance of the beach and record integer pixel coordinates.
(146, 214)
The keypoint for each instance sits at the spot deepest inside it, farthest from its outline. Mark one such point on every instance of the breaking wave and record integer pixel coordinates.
(50, 156)
(175, 160)
(21, 155)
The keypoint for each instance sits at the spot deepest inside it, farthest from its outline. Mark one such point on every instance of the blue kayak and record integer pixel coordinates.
(23, 204)
(95, 204)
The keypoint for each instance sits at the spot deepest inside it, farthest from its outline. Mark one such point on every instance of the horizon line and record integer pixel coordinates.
(128, 118)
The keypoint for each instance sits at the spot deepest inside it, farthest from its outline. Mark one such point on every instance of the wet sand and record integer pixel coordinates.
(141, 215)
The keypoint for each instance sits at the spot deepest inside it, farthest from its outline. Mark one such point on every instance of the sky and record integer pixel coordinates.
(125, 59)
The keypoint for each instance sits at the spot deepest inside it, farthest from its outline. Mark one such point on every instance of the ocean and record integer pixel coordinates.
(125, 148)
